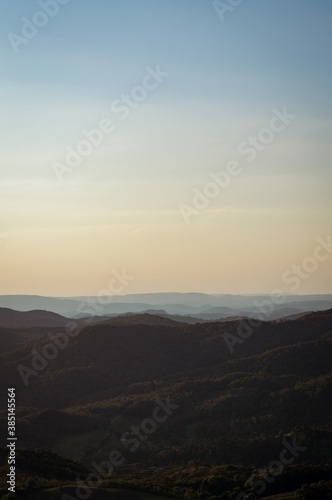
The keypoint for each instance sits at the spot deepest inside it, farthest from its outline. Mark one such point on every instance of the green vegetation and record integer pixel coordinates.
(234, 413)
(315, 491)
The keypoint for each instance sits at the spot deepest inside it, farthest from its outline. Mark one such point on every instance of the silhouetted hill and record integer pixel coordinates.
(112, 354)
(142, 319)
(231, 407)
(17, 319)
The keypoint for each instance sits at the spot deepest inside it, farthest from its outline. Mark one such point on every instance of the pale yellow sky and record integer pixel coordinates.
(226, 251)
(187, 96)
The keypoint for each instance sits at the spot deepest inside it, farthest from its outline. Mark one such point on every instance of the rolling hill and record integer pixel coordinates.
(17, 319)
(231, 408)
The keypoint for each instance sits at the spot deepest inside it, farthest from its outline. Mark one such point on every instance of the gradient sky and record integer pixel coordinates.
(120, 207)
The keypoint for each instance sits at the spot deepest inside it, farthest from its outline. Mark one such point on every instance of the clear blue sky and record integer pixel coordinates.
(120, 206)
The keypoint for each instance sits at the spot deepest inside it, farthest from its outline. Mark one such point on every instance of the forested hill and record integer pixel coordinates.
(233, 406)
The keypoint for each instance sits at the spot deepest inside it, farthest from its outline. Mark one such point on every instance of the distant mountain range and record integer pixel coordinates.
(12, 319)
(197, 306)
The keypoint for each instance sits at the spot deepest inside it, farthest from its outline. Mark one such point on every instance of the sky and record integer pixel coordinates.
(117, 118)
